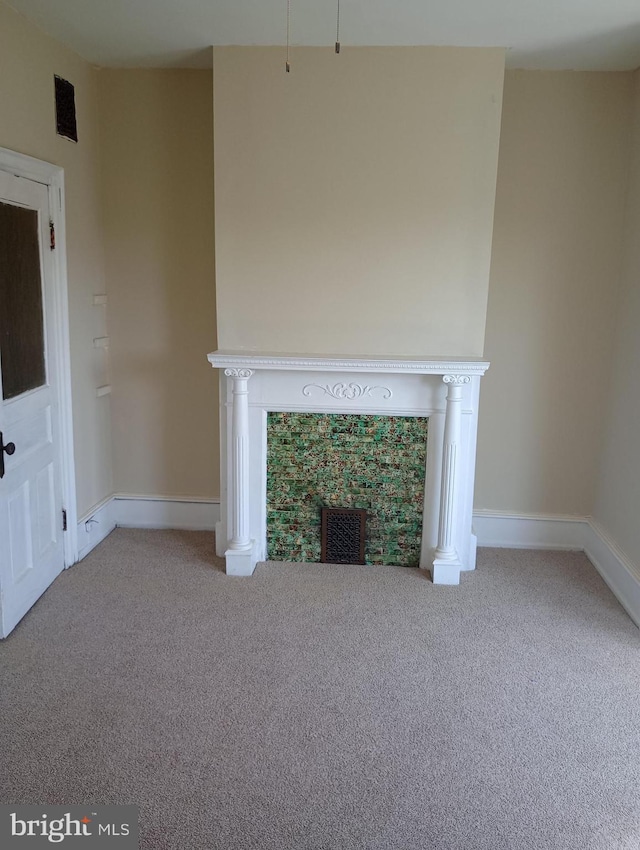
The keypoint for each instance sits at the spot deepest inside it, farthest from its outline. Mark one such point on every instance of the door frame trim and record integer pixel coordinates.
(52, 176)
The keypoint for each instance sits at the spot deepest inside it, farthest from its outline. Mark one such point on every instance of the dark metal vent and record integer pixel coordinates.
(66, 109)
(343, 535)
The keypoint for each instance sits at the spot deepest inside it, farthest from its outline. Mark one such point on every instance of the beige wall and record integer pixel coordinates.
(157, 138)
(28, 62)
(552, 299)
(321, 190)
(618, 491)
(354, 198)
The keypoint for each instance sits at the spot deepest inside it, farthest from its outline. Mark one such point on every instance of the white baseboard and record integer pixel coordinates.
(144, 512)
(510, 531)
(529, 531)
(622, 576)
(166, 512)
(95, 526)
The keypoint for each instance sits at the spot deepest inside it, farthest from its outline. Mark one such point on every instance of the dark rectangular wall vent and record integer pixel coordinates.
(66, 109)
(343, 535)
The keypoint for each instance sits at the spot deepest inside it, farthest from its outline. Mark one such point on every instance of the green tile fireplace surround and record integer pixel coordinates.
(317, 460)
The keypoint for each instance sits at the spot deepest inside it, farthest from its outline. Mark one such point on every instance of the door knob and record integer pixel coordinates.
(9, 449)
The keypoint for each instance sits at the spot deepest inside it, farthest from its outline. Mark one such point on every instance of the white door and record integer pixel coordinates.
(31, 520)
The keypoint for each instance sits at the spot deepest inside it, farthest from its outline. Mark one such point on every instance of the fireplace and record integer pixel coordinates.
(445, 391)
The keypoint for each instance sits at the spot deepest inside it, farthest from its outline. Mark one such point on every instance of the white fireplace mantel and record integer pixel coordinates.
(444, 389)
(383, 365)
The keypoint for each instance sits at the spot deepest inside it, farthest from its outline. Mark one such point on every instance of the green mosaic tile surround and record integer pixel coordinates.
(317, 460)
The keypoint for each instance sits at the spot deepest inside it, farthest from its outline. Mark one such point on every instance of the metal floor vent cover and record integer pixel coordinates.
(343, 535)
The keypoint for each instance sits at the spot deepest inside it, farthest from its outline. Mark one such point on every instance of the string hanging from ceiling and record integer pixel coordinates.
(287, 64)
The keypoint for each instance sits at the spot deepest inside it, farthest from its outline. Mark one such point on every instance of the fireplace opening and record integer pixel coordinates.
(367, 462)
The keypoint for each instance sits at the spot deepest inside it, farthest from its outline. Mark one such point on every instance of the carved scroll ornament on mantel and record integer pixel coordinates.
(238, 373)
(456, 379)
(349, 391)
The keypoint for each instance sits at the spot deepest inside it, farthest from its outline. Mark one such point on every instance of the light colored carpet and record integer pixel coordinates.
(329, 706)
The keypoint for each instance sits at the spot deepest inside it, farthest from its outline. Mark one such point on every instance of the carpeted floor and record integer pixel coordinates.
(329, 707)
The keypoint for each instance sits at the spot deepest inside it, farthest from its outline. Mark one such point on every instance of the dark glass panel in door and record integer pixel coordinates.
(21, 321)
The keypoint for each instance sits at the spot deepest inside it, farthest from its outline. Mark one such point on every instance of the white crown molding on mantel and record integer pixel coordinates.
(325, 363)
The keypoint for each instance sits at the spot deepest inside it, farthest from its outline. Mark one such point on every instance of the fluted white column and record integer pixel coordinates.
(239, 502)
(446, 564)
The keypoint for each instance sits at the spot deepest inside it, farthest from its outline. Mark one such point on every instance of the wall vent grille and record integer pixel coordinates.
(66, 124)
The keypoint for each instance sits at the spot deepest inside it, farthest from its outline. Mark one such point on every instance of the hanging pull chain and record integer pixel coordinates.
(287, 65)
(338, 29)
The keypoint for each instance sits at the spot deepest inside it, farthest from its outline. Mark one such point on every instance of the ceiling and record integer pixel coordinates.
(558, 34)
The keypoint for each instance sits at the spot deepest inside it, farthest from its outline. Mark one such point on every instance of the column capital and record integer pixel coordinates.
(457, 380)
(238, 373)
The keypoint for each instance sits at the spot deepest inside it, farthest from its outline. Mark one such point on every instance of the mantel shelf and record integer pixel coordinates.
(326, 363)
